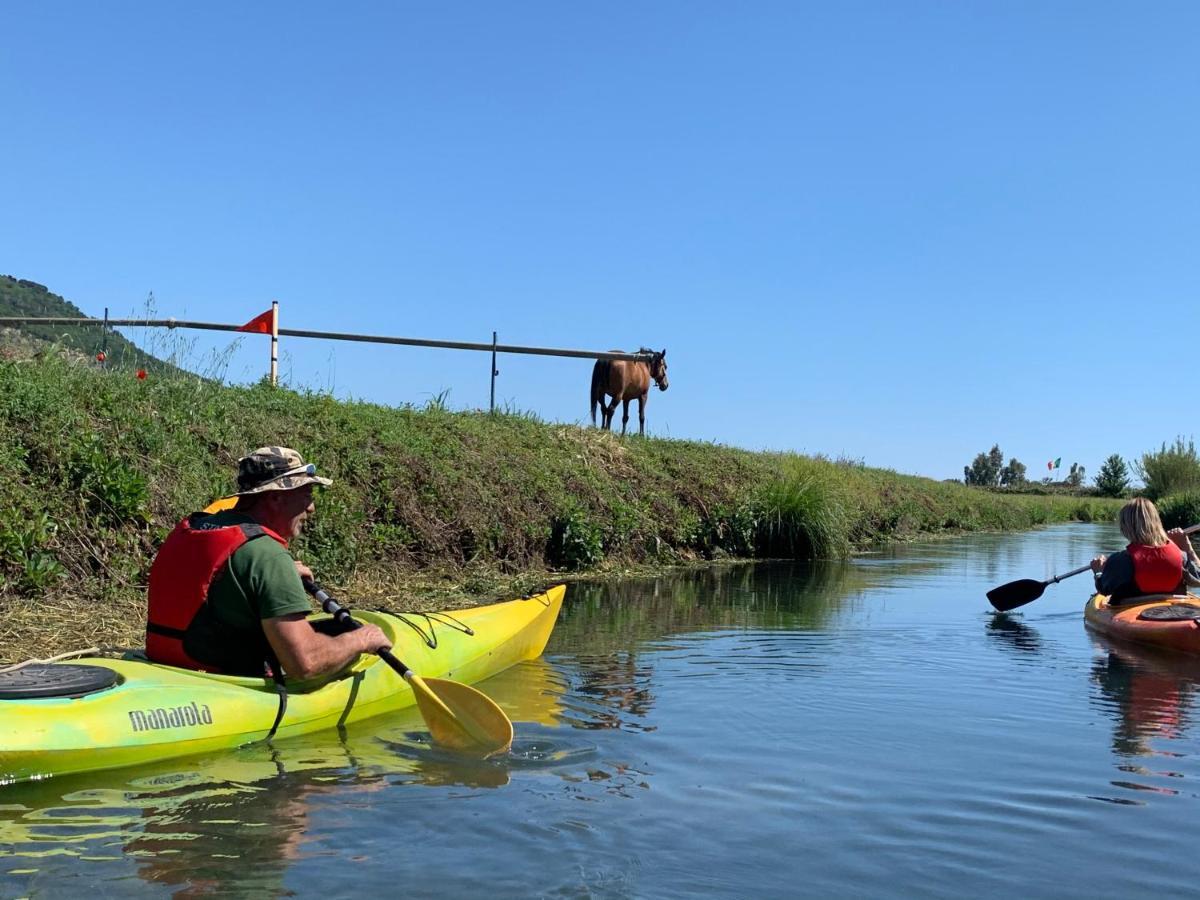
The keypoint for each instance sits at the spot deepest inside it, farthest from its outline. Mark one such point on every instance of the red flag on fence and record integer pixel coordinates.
(260, 324)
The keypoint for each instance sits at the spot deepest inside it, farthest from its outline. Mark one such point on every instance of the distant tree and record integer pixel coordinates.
(1171, 470)
(985, 468)
(1113, 480)
(1075, 476)
(1013, 475)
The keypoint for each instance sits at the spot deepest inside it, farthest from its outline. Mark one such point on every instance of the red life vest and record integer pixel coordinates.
(180, 577)
(1157, 570)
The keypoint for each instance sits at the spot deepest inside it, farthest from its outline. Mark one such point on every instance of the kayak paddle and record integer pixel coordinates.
(1026, 590)
(459, 716)
(1018, 593)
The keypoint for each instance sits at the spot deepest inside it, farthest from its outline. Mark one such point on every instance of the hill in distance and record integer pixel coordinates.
(21, 297)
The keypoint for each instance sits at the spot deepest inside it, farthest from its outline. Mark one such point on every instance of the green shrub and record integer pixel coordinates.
(727, 531)
(1180, 510)
(575, 541)
(110, 488)
(1172, 469)
(25, 561)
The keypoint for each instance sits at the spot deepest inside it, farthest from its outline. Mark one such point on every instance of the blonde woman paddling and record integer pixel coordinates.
(1155, 562)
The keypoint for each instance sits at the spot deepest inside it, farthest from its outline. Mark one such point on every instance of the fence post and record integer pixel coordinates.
(104, 340)
(274, 343)
(495, 372)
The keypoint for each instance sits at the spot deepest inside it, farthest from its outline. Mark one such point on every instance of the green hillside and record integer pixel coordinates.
(429, 508)
(21, 297)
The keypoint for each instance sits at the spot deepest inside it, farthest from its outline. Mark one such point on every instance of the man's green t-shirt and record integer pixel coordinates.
(258, 582)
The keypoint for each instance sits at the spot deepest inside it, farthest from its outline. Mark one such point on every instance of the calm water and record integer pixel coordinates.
(860, 729)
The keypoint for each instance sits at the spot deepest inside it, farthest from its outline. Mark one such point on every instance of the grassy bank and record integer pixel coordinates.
(429, 507)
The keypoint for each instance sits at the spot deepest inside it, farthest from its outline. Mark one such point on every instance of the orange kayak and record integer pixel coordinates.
(1164, 620)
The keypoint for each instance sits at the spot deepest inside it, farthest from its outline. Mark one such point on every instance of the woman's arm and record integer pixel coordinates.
(1191, 561)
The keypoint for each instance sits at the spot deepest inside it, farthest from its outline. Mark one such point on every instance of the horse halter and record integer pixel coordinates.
(658, 370)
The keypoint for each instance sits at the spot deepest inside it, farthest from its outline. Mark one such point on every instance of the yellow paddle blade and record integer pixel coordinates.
(220, 505)
(460, 717)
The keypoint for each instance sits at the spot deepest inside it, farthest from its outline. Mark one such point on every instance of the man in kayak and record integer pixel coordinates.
(1155, 562)
(225, 594)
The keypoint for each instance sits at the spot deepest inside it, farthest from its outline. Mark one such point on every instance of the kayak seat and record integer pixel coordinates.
(1139, 599)
(41, 681)
(1171, 612)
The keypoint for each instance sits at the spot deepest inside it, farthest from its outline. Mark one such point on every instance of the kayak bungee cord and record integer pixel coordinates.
(430, 640)
(70, 654)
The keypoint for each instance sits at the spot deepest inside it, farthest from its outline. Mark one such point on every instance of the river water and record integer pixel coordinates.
(860, 729)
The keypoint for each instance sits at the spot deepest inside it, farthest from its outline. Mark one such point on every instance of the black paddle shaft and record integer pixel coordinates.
(342, 616)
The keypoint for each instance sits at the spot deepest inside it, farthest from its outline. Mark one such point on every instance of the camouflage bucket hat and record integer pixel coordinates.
(275, 469)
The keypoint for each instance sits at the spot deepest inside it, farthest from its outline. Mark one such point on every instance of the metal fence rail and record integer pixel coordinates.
(492, 347)
(337, 336)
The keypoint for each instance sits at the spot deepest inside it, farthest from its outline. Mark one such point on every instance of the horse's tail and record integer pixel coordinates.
(599, 379)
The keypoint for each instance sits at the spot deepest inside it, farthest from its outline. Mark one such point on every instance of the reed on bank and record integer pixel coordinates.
(429, 508)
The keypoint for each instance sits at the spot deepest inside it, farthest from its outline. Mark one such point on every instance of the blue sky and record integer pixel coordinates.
(894, 231)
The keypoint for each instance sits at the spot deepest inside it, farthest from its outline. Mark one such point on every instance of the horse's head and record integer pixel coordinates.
(658, 370)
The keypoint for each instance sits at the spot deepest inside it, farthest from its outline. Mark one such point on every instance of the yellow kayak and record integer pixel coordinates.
(119, 712)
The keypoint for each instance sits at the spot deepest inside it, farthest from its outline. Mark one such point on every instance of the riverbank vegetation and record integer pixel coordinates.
(430, 508)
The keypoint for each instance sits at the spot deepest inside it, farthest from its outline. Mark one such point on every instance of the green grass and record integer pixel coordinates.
(429, 507)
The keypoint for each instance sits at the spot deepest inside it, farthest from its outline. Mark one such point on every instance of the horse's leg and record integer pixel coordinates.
(606, 412)
(624, 415)
(642, 413)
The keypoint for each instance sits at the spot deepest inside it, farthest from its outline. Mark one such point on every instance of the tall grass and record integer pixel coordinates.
(803, 511)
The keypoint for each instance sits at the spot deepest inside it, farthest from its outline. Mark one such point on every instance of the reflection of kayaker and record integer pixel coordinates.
(620, 689)
(223, 858)
(1152, 692)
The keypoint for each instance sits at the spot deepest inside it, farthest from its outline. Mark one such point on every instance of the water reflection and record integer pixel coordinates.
(866, 712)
(793, 595)
(611, 631)
(233, 823)
(616, 692)
(1014, 634)
(230, 838)
(1150, 694)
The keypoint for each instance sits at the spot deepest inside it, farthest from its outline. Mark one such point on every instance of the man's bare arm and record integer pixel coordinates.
(305, 653)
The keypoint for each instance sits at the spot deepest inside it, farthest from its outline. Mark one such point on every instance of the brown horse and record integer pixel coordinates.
(623, 380)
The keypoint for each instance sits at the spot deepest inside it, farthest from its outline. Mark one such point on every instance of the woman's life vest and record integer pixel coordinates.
(1157, 570)
(188, 562)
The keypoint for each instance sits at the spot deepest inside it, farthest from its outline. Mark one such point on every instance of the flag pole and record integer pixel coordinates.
(274, 343)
